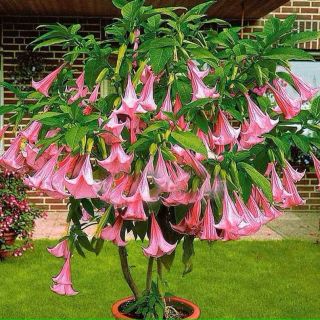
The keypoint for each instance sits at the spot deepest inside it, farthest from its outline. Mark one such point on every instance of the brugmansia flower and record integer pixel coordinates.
(191, 223)
(42, 179)
(176, 107)
(165, 107)
(260, 122)
(81, 89)
(61, 250)
(208, 231)
(31, 132)
(146, 97)
(113, 130)
(316, 163)
(294, 174)
(117, 161)
(12, 158)
(278, 192)
(3, 130)
(305, 89)
(230, 220)
(113, 233)
(294, 199)
(140, 192)
(44, 85)
(286, 105)
(63, 284)
(81, 184)
(199, 89)
(94, 95)
(158, 246)
(224, 133)
(250, 224)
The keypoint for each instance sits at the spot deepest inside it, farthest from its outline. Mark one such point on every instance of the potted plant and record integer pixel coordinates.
(16, 215)
(189, 144)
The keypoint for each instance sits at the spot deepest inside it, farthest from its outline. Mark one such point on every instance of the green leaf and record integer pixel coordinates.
(130, 10)
(201, 121)
(157, 125)
(288, 54)
(202, 53)
(92, 69)
(48, 114)
(119, 3)
(49, 42)
(167, 260)
(189, 140)
(303, 36)
(159, 58)
(183, 89)
(315, 107)
(258, 179)
(74, 135)
(188, 253)
(302, 142)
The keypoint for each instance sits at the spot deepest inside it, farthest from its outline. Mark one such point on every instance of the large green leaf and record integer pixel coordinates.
(258, 179)
(288, 54)
(159, 58)
(190, 141)
(74, 135)
(130, 10)
(303, 37)
(92, 68)
(156, 125)
(302, 142)
(188, 253)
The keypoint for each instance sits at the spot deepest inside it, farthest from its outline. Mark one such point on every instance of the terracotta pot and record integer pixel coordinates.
(179, 303)
(9, 239)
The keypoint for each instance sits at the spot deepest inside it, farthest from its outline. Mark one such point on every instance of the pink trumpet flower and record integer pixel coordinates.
(134, 202)
(199, 89)
(260, 91)
(247, 140)
(289, 107)
(208, 231)
(81, 184)
(295, 175)
(158, 246)
(260, 122)
(230, 220)
(250, 224)
(3, 130)
(113, 130)
(193, 68)
(12, 158)
(81, 89)
(146, 97)
(269, 211)
(176, 107)
(44, 85)
(305, 90)
(254, 209)
(61, 250)
(191, 223)
(224, 133)
(278, 192)
(316, 163)
(294, 199)
(42, 179)
(113, 233)
(165, 107)
(118, 160)
(94, 95)
(63, 284)
(161, 176)
(58, 180)
(130, 102)
(31, 133)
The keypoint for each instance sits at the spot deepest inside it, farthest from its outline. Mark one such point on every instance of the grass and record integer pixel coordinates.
(244, 279)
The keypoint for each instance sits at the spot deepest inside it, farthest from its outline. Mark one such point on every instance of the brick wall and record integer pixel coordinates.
(18, 32)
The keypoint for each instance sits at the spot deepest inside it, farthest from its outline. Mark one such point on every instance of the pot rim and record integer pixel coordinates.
(119, 315)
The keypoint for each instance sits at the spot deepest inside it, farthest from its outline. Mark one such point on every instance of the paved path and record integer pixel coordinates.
(289, 225)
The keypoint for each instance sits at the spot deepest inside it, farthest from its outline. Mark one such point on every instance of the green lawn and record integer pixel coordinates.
(244, 279)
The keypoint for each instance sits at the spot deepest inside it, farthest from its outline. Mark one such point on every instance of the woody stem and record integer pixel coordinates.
(149, 274)
(126, 272)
